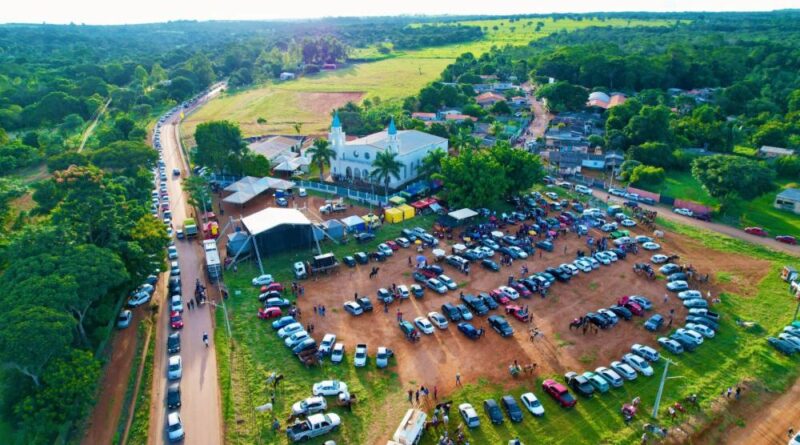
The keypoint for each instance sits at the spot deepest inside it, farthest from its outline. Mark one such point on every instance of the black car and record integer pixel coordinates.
(622, 312)
(512, 408)
(475, 303)
(598, 320)
(493, 411)
(559, 274)
(364, 237)
(501, 326)
(435, 268)
(488, 300)
(490, 264)
(579, 384)
(677, 276)
(545, 245)
(378, 256)
(782, 345)
(531, 284)
(365, 303)
(621, 254)
(349, 260)
(174, 343)
(151, 280)
(451, 312)
(361, 258)
(686, 343)
(174, 396)
(419, 277)
(267, 295)
(174, 285)
(469, 330)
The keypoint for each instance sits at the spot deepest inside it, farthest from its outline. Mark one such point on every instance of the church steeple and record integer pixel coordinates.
(336, 136)
(394, 144)
(392, 128)
(336, 123)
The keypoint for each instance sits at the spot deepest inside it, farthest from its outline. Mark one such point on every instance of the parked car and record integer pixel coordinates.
(465, 312)
(493, 411)
(500, 325)
(329, 388)
(349, 260)
(781, 345)
(598, 382)
(758, 231)
(786, 239)
(579, 384)
(296, 338)
(365, 303)
(651, 246)
(174, 396)
(694, 335)
(702, 329)
(447, 281)
(424, 325)
(695, 303)
(677, 286)
(290, 329)
(263, 280)
(417, 290)
(436, 285)
(622, 312)
(174, 426)
(490, 264)
(559, 393)
(124, 319)
(645, 352)
(532, 404)
(451, 312)
(512, 408)
(468, 330)
(175, 320)
(670, 345)
(488, 301)
(360, 357)
(326, 345)
(690, 295)
(283, 322)
(437, 319)
(174, 368)
(309, 405)
(638, 363)
(624, 369)
(469, 415)
(654, 323)
(683, 211)
(610, 376)
(337, 353)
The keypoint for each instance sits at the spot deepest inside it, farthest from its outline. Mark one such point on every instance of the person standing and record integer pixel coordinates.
(458, 379)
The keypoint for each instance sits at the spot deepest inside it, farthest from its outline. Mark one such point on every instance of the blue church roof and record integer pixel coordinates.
(336, 123)
(392, 128)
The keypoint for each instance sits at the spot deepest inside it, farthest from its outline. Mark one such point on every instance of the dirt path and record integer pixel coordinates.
(137, 386)
(104, 419)
(90, 129)
(541, 118)
(733, 232)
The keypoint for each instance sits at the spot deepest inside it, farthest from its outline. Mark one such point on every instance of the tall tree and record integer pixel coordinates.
(473, 179)
(385, 167)
(321, 154)
(217, 143)
(432, 163)
(722, 175)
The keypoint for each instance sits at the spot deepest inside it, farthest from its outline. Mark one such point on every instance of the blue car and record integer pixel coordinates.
(282, 202)
(469, 330)
(283, 321)
(654, 323)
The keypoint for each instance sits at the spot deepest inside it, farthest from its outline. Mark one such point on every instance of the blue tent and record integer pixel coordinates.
(354, 224)
(334, 228)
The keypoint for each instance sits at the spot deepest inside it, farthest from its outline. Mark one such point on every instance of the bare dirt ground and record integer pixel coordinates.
(322, 104)
(437, 358)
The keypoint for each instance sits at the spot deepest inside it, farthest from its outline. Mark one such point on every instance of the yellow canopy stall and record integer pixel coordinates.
(397, 200)
(393, 215)
(408, 211)
(372, 220)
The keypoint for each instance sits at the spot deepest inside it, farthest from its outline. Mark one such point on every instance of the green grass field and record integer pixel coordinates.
(734, 355)
(682, 185)
(761, 213)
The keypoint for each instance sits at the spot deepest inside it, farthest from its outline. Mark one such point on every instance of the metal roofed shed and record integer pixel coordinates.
(249, 187)
(334, 228)
(277, 230)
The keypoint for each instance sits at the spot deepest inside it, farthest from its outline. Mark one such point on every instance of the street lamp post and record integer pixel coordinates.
(661, 386)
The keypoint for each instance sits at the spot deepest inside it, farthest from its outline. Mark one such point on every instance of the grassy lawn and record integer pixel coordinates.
(733, 356)
(682, 185)
(761, 213)
(141, 415)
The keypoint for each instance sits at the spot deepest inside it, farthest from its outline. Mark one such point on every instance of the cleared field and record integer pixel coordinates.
(746, 277)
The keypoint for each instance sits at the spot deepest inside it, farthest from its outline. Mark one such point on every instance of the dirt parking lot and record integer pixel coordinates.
(436, 359)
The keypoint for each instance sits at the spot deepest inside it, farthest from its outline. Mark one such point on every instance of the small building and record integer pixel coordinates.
(460, 118)
(271, 147)
(425, 117)
(774, 152)
(789, 200)
(287, 76)
(488, 99)
(329, 66)
(519, 101)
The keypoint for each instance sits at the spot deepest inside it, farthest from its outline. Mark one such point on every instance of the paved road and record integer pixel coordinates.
(201, 410)
(711, 226)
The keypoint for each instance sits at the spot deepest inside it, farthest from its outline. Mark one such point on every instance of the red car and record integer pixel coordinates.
(522, 289)
(277, 287)
(518, 312)
(270, 312)
(499, 297)
(559, 393)
(788, 239)
(632, 306)
(392, 245)
(758, 231)
(429, 273)
(175, 320)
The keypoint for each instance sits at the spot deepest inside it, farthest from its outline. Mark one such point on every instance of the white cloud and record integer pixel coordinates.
(144, 11)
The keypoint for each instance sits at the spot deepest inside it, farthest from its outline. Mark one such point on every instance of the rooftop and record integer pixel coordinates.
(273, 146)
(410, 140)
(790, 194)
(272, 217)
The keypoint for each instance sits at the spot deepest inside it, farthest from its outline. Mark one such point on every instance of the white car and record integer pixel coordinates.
(595, 264)
(532, 404)
(690, 333)
(485, 251)
(583, 265)
(638, 363)
(310, 405)
(658, 258)
(623, 240)
(174, 368)
(424, 325)
(329, 388)
(337, 353)
(788, 338)
(552, 195)
(518, 252)
(289, 329)
(353, 308)
(327, 343)
(690, 294)
(295, 339)
(436, 285)
(385, 249)
(509, 292)
(602, 258)
(263, 280)
(624, 370)
(704, 330)
(651, 246)
(469, 415)
(172, 252)
(124, 319)
(682, 211)
(301, 192)
(571, 268)
(645, 352)
(583, 190)
(138, 299)
(438, 319)
(610, 375)
(611, 255)
(628, 223)
(174, 427)
(403, 291)
(360, 358)
(382, 357)
(176, 303)
(447, 281)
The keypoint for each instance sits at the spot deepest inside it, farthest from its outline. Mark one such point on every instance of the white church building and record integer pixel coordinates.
(354, 158)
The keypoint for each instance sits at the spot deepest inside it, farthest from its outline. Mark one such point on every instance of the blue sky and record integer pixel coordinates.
(145, 11)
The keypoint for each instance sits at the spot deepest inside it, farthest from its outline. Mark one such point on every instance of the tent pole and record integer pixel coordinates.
(258, 254)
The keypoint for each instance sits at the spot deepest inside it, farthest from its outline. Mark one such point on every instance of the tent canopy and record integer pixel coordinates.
(249, 187)
(397, 200)
(408, 211)
(393, 215)
(462, 214)
(354, 223)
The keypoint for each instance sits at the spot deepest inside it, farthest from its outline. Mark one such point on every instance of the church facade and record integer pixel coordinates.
(354, 158)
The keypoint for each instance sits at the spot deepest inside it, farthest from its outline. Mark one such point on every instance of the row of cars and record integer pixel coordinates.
(317, 422)
(510, 406)
(788, 341)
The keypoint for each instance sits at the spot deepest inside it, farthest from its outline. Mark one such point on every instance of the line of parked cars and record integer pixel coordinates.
(510, 407)
(316, 421)
(787, 341)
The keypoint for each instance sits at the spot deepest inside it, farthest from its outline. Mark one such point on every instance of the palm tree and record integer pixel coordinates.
(385, 166)
(464, 140)
(321, 153)
(432, 162)
(496, 129)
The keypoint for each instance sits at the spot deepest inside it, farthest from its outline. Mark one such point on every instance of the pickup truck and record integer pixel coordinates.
(330, 208)
(315, 425)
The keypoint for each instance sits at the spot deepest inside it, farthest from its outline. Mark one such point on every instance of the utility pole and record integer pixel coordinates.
(661, 386)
